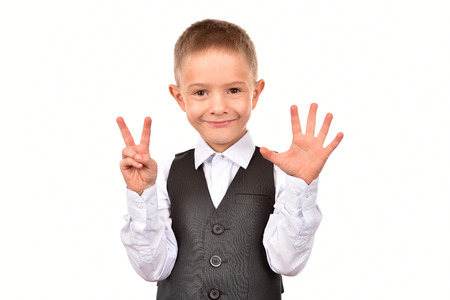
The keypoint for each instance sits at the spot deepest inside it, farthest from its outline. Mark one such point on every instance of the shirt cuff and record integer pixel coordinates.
(139, 207)
(299, 195)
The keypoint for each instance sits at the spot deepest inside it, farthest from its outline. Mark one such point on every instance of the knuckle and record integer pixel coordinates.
(126, 162)
(127, 152)
(122, 163)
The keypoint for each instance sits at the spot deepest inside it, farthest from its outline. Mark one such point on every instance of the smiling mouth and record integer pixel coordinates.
(220, 123)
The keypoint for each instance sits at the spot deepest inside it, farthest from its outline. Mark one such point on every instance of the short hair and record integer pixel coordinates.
(214, 34)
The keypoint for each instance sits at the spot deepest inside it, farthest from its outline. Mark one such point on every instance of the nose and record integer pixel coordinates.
(218, 105)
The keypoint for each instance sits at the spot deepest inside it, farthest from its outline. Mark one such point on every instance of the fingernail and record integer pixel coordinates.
(138, 156)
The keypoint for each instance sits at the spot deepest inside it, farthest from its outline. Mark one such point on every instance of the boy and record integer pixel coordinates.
(225, 219)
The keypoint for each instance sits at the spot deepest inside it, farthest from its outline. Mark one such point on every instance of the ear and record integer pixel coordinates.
(259, 87)
(176, 94)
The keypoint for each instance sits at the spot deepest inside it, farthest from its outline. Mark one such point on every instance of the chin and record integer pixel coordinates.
(220, 142)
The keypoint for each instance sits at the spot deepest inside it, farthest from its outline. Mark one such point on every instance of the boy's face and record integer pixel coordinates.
(218, 94)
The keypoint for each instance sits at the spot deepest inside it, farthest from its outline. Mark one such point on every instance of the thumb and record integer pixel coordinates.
(269, 155)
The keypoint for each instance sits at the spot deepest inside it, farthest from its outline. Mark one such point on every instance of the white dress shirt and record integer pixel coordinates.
(288, 237)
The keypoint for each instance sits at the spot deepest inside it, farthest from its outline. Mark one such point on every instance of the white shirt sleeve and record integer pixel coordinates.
(147, 235)
(288, 237)
(289, 233)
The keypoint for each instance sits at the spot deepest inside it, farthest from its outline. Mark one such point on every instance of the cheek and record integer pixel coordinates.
(193, 110)
(244, 108)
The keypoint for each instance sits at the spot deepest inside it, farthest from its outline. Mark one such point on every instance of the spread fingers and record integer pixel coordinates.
(126, 135)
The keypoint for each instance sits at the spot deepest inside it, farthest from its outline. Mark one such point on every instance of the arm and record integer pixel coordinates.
(289, 234)
(147, 235)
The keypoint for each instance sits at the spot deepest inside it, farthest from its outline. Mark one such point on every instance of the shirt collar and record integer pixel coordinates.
(240, 152)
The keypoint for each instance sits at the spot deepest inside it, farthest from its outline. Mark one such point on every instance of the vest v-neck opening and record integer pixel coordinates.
(229, 189)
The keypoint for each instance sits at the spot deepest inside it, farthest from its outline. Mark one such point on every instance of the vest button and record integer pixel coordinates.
(215, 261)
(218, 229)
(214, 294)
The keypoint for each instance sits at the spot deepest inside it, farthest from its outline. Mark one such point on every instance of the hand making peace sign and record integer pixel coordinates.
(139, 170)
(306, 156)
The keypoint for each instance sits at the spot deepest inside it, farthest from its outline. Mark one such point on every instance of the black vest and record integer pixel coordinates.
(220, 251)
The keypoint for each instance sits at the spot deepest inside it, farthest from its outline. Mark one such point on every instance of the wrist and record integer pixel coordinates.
(307, 179)
(141, 190)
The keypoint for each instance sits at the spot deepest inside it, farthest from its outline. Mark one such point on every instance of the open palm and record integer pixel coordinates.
(306, 157)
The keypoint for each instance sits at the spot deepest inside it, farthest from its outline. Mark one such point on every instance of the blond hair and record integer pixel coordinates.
(214, 34)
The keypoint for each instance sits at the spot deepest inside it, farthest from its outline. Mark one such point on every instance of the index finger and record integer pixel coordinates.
(127, 137)
(311, 123)
(295, 121)
(145, 137)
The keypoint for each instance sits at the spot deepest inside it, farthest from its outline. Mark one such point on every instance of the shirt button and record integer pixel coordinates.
(214, 294)
(295, 193)
(140, 205)
(215, 261)
(308, 194)
(218, 229)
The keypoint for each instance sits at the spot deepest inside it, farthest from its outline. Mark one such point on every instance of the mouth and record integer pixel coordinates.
(220, 123)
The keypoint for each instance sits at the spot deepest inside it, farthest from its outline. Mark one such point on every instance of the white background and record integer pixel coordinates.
(69, 68)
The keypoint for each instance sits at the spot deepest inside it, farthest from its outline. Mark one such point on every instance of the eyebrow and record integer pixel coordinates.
(207, 85)
(196, 85)
(236, 83)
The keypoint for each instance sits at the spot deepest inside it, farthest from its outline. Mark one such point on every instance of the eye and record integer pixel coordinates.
(200, 93)
(234, 91)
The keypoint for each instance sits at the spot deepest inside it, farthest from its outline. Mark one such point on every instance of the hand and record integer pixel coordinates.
(306, 156)
(139, 170)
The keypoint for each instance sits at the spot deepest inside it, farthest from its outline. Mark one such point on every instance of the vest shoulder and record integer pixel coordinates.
(184, 153)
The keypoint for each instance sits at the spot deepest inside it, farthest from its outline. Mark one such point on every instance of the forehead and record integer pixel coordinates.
(214, 66)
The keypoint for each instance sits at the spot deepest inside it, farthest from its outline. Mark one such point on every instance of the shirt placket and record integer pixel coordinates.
(218, 178)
